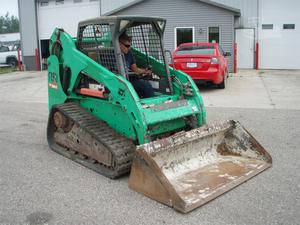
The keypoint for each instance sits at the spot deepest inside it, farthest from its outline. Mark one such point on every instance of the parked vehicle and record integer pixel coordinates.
(8, 57)
(203, 62)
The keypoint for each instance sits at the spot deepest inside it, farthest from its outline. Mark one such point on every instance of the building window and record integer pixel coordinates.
(59, 2)
(44, 3)
(267, 26)
(184, 35)
(4, 49)
(289, 26)
(77, 1)
(214, 34)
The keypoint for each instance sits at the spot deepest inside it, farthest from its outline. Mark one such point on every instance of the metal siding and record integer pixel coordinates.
(28, 26)
(28, 32)
(249, 14)
(188, 13)
(248, 9)
(29, 63)
(109, 5)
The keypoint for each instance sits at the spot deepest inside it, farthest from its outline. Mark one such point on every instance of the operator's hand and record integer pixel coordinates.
(148, 72)
(145, 72)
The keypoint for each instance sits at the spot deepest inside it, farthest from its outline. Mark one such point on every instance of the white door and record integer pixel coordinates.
(245, 48)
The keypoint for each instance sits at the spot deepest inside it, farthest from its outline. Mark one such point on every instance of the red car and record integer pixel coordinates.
(203, 62)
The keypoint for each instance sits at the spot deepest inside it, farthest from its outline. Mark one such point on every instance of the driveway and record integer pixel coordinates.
(267, 89)
(38, 186)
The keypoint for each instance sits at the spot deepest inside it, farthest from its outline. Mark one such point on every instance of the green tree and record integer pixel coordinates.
(9, 24)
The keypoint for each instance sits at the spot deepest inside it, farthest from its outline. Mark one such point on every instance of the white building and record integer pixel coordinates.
(265, 31)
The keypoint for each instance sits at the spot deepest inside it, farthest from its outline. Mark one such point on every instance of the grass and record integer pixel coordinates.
(7, 69)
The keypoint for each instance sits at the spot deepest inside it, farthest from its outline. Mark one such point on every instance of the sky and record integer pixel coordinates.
(10, 6)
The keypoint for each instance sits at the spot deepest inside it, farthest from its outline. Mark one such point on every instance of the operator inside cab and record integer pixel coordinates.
(136, 74)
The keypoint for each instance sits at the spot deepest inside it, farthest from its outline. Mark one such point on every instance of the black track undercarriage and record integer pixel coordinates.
(76, 134)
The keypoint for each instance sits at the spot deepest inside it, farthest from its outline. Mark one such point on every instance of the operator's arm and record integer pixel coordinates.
(134, 68)
(140, 71)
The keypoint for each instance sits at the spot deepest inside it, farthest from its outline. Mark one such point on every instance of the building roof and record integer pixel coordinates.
(115, 19)
(235, 11)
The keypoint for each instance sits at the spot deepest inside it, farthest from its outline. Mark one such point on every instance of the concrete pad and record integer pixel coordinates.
(38, 186)
(283, 87)
(268, 89)
(24, 87)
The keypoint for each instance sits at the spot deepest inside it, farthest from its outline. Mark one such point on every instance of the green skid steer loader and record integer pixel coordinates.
(98, 120)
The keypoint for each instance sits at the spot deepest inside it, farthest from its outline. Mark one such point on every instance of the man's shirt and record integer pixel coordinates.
(130, 60)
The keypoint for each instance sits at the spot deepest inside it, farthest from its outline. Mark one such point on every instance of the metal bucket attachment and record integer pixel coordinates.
(188, 169)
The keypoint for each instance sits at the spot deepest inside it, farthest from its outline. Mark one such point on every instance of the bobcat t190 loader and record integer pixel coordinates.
(98, 120)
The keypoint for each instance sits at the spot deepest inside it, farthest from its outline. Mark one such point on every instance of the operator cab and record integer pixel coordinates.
(99, 39)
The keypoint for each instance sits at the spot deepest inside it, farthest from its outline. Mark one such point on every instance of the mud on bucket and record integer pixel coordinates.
(188, 169)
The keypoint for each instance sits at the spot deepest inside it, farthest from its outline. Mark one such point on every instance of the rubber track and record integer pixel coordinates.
(121, 148)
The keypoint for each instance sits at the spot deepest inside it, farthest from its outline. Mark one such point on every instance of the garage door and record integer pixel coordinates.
(279, 34)
(279, 47)
(66, 14)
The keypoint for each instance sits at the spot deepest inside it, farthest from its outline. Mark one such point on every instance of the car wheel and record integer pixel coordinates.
(12, 62)
(223, 84)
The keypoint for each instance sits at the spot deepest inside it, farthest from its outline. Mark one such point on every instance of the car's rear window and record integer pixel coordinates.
(196, 50)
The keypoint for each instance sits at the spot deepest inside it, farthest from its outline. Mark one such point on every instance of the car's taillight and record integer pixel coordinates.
(214, 61)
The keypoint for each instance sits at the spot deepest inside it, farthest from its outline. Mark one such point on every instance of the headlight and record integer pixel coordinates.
(214, 61)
